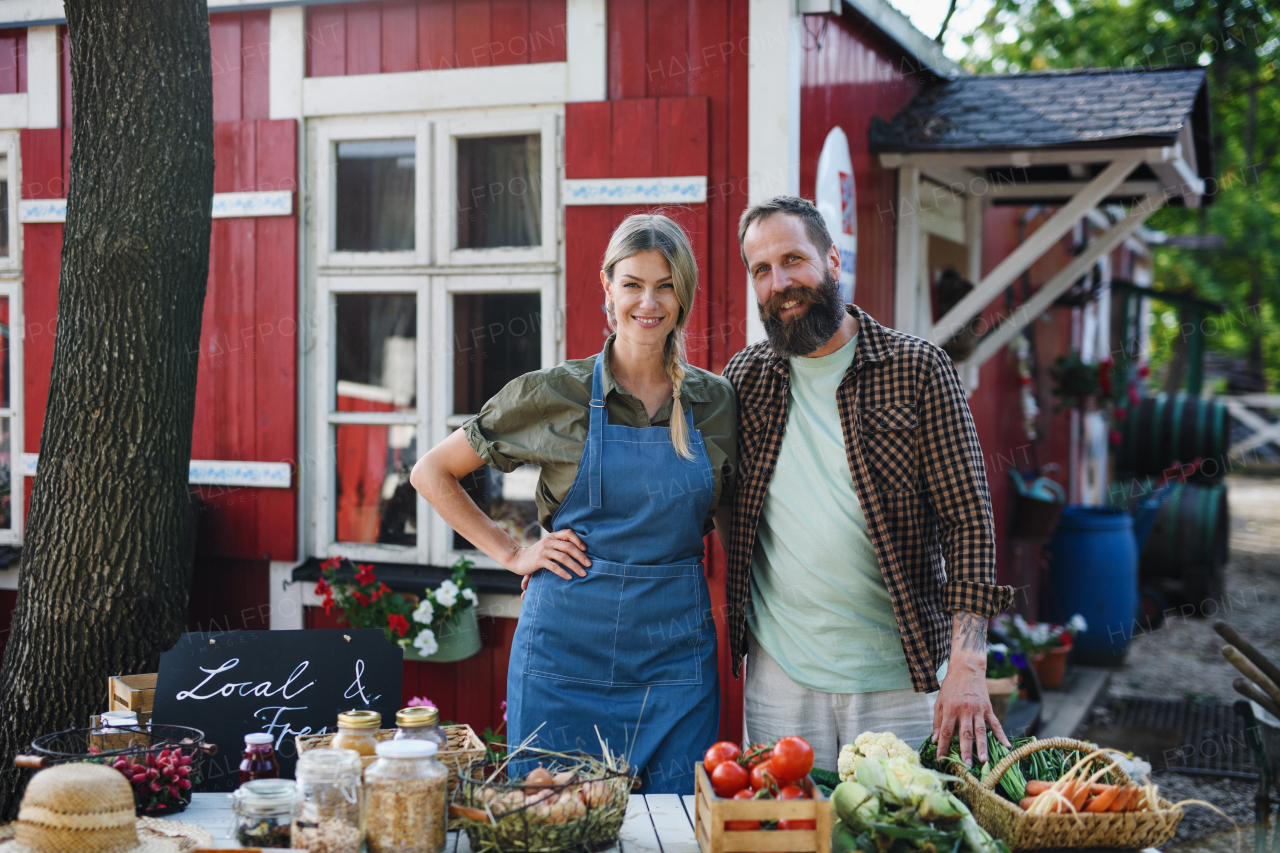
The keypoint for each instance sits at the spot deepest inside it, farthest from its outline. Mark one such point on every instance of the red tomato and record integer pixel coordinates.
(792, 758)
(792, 792)
(756, 754)
(729, 778)
(762, 776)
(797, 824)
(720, 753)
(743, 825)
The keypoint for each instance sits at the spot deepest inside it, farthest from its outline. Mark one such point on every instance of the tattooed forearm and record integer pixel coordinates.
(969, 632)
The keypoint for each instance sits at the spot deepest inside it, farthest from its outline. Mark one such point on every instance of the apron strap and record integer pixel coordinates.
(595, 433)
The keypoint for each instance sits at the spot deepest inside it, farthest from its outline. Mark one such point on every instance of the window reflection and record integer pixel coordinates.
(375, 345)
(499, 190)
(375, 502)
(375, 196)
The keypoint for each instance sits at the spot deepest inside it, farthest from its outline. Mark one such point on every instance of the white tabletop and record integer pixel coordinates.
(657, 823)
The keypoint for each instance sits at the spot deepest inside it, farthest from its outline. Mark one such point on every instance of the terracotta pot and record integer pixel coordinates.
(1001, 690)
(1050, 666)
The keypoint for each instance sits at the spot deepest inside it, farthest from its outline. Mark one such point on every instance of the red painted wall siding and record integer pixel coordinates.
(422, 35)
(847, 76)
(471, 691)
(679, 48)
(246, 388)
(13, 61)
(240, 45)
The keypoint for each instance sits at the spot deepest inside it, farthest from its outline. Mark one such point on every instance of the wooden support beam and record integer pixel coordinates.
(963, 159)
(994, 341)
(1033, 247)
(907, 249)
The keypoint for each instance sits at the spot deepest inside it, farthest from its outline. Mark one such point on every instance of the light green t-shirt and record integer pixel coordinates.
(819, 605)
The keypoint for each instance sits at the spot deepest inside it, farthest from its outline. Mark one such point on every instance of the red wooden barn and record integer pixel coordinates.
(413, 197)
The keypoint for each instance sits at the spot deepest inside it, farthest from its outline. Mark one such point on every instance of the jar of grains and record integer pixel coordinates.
(263, 812)
(406, 798)
(356, 730)
(330, 812)
(421, 723)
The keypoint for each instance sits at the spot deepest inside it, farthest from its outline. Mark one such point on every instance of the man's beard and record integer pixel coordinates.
(812, 329)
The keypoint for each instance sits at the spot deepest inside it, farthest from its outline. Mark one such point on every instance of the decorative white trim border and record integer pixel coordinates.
(206, 472)
(686, 190)
(234, 205)
(225, 206)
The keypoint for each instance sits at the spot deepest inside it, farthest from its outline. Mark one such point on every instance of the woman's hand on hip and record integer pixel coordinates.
(561, 552)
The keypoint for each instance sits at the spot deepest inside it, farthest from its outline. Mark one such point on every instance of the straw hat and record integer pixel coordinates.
(80, 808)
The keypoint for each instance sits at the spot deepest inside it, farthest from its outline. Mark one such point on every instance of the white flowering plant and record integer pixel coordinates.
(438, 609)
(1033, 638)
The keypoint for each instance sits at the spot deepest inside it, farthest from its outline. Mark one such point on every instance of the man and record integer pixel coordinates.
(862, 559)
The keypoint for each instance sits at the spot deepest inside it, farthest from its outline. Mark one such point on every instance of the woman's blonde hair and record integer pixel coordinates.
(644, 232)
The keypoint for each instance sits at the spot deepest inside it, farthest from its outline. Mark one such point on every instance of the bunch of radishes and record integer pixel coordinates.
(160, 780)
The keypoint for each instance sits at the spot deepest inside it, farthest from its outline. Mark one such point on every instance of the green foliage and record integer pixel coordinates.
(1239, 42)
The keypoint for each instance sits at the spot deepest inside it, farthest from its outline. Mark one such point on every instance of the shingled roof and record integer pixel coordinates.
(1108, 107)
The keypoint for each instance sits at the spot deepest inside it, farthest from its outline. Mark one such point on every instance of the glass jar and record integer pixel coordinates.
(406, 799)
(259, 761)
(263, 812)
(421, 723)
(330, 813)
(356, 730)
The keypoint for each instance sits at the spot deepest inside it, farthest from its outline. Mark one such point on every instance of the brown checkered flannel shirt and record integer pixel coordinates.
(918, 472)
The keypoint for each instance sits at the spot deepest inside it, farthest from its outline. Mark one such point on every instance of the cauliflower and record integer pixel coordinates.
(900, 757)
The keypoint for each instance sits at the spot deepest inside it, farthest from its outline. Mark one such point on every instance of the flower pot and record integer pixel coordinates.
(456, 641)
(1051, 665)
(1001, 690)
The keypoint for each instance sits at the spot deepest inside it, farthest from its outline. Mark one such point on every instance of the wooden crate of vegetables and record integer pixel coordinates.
(762, 801)
(1060, 793)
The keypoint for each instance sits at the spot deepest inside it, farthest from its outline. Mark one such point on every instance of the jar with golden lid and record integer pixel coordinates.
(421, 723)
(357, 730)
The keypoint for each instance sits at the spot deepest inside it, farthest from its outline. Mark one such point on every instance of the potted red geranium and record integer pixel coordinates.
(1045, 645)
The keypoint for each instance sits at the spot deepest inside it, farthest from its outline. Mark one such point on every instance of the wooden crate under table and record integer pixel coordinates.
(132, 692)
(712, 811)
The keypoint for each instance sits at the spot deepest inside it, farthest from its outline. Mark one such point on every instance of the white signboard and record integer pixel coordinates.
(837, 201)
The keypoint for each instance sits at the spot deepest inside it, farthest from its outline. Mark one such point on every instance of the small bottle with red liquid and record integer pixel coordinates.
(259, 760)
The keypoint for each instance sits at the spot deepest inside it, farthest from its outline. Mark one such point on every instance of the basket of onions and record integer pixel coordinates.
(538, 801)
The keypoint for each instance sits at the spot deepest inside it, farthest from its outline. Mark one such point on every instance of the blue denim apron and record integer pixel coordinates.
(635, 633)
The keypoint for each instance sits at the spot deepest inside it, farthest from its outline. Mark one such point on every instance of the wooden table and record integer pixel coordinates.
(657, 823)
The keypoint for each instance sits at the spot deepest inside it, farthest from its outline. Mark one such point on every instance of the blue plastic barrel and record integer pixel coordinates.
(1093, 571)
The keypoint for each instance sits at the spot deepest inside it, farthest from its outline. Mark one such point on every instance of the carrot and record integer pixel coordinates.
(1037, 786)
(1122, 800)
(1025, 803)
(1080, 795)
(1102, 802)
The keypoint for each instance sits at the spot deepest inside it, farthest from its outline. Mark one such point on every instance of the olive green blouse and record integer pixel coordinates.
(541, 419)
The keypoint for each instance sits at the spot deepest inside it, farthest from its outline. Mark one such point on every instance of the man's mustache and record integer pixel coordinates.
(797, 293)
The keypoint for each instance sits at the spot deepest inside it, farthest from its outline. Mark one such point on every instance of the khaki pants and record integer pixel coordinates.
(776, 706)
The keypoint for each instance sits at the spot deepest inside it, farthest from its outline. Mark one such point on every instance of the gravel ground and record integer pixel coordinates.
(1183, 659)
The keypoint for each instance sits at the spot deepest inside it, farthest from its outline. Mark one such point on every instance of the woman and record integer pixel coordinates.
(636, 449)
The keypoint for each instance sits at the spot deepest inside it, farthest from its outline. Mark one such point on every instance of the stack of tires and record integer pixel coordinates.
(1184, 555)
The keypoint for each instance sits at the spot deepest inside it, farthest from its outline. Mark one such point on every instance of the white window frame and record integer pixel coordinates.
(328, 418)
(328, 135)
(445, 421)
(447, 133)
(9, 145)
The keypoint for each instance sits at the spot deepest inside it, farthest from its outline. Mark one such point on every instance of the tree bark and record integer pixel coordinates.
(104, 577)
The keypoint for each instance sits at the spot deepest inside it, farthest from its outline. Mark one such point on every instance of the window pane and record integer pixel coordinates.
(499, 191)
(375, 343)
(375, 501)
(496, 337)
(4, 352)
(6, 479)
(375, 196)
(508, 500)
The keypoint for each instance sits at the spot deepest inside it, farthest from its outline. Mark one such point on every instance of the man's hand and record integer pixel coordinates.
(963, 706)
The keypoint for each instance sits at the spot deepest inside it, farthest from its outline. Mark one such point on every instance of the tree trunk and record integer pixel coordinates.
(105, 577)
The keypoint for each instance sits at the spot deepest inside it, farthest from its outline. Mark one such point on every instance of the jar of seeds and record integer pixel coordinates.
(263, 812)
(420, 723)
(406, 798)
(330, 812)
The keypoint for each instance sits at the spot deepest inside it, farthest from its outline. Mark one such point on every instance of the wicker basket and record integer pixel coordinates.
(465, 749)
(1021, 831)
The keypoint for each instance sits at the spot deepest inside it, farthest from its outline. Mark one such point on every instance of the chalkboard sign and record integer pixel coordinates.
(283, 682)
